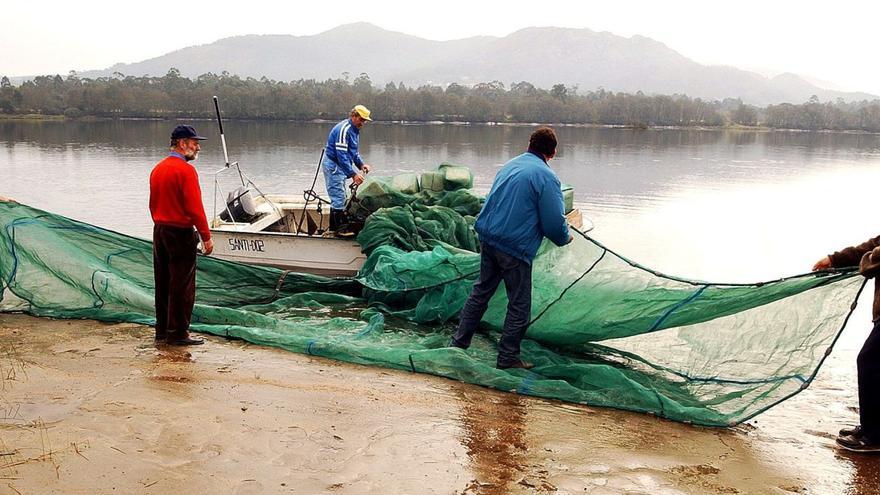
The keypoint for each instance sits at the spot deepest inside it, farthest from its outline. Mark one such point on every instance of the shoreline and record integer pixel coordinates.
(62, 118)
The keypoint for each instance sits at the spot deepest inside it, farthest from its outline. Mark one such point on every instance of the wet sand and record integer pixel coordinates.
(93, 408)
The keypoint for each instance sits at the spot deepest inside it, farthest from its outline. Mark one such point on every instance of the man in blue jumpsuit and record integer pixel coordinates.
(342, 161)
(524, 206)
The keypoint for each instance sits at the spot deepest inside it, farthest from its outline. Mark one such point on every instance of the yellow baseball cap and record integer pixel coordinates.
(363, 111)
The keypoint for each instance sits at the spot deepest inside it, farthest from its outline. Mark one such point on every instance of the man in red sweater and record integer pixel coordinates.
(176, 207)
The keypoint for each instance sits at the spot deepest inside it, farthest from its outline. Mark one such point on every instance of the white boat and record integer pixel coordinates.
(286, 233)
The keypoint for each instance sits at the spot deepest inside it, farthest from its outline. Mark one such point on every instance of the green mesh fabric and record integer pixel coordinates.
(415, 222)
(418, 228)
(605, 331)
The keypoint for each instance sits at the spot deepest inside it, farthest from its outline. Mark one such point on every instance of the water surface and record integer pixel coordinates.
(713, 204)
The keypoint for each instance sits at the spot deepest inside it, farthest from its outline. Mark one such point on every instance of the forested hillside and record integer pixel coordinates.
(172, 96)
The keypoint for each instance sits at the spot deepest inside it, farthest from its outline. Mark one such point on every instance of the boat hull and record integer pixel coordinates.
(311, 254)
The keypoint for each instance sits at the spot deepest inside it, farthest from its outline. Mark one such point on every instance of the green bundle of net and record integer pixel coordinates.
(400, 212)
(605, 331)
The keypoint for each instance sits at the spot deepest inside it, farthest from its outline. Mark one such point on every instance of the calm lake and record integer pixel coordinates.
(716, 205)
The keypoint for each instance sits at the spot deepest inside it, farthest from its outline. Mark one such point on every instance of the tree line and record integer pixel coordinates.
(172, 95)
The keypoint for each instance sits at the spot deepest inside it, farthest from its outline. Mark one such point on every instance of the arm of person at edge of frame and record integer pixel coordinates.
(867, 254)
(823, 264)
(4, 199)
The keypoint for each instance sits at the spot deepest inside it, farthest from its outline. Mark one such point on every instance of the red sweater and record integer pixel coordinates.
(175, 196)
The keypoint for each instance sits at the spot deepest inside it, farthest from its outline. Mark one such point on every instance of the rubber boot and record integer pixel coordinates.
(334, 222)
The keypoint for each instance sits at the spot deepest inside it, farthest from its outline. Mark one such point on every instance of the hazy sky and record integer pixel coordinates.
(835, 42)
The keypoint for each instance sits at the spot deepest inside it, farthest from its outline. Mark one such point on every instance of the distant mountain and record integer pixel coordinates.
(541, 56)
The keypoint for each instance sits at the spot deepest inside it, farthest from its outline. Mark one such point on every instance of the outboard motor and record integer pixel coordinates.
(241, 205)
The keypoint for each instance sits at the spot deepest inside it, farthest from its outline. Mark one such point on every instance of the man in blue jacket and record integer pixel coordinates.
(342, 161)
(524, 206)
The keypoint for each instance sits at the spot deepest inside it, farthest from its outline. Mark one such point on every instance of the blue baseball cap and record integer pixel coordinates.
(185, 131)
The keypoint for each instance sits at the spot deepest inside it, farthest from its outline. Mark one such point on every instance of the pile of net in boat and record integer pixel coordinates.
(605, 331)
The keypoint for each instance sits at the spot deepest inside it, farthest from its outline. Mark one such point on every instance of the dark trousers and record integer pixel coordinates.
(174, 270)
(869, 384)
(496, 266)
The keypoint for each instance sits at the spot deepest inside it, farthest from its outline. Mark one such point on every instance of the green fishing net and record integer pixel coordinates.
(605, 331)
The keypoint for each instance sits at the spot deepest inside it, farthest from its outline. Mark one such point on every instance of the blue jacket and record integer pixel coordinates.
(524, 206)
(342, 147)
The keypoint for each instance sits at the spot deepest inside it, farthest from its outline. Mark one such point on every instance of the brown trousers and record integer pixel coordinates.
(174, 270)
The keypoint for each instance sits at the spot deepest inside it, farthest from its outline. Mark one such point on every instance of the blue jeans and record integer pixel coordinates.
(334, 180)
(496, 266)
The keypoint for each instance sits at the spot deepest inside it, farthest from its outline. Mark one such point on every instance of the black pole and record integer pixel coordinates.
(308, 196)
(217, 109)
(223, 139)
(220, 123)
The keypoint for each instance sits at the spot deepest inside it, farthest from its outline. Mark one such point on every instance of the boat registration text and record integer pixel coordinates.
(253, 245)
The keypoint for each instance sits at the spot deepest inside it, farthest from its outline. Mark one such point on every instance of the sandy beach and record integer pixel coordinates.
(94, 408)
